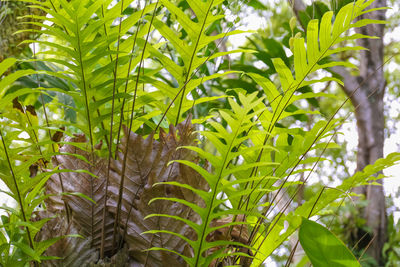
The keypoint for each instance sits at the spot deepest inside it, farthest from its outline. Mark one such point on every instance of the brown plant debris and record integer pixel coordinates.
(147, 163)
(237, 233)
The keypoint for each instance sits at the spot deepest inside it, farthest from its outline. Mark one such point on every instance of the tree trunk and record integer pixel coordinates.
(370, 125)
(368, 103)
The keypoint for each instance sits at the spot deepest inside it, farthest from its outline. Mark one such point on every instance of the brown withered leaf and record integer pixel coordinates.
(17, 105)
(31, 109)
(87, 216)
(73, 251)
(33, 170)
(122, 258)
(58, 135)
(147, 164)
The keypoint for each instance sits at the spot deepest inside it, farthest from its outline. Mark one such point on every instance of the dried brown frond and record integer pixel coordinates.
(147, 164)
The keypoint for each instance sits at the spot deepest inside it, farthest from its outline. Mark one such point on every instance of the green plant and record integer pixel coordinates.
(134, 192)
(323, 248)
(391, 248)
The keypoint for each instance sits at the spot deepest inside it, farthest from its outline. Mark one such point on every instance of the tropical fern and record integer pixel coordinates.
(21, 155)
(322, 38)
(257, 165)
(314, 205)
(191, 52)
(92, 47)
(228, 146)
(321, 43)
(205, 207)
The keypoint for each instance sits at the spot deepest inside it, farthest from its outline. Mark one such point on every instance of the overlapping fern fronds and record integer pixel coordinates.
(191, 52)
(97, 64)
(229, 145)
(117, 73)
(22, 154)
(258, 168)
(100, 54)
(323, 39)
(103, 54)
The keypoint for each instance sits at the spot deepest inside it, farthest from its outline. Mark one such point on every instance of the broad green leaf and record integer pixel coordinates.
(27, 250)
(323, 248)
(5, 64)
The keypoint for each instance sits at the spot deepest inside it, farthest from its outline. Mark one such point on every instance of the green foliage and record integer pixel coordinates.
(228, 146)
(391, 249)
(106, 64)
(17, 154)
(321, 40)
(323, 248)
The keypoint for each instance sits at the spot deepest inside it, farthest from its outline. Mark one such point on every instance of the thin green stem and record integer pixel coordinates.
(115, 71)
(20, 201)
(87, 107)
(191, 62)
(121, 185)
(210, 205)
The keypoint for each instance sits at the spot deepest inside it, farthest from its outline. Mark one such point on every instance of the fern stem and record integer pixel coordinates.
(127, 79)
(121, 185)
(184, 85)
(67, 211)
(191, 77)
(20, 202)
(324, 149)
(320, 156)
(278, 114)
(101, 123)
(85, 94)
(35, 139)
(289, 260)
(210, 208)
(191, 62)
(115, 71)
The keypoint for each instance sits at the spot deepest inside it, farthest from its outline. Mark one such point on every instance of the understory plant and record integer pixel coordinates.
(111, 161)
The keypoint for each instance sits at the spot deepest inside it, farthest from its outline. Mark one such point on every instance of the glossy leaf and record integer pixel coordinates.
(323, 248)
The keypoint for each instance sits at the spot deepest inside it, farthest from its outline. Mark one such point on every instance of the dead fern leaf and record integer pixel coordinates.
(147, 163)
(86, 215)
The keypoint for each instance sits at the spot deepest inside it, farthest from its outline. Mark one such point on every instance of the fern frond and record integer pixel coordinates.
(23, 156)
(313, 207)
(321, 41)
(189, 49)
(229, 146)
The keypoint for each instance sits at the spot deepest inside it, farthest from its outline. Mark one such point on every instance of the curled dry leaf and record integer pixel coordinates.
(86, 215)
(146, 164)
(29, 108)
